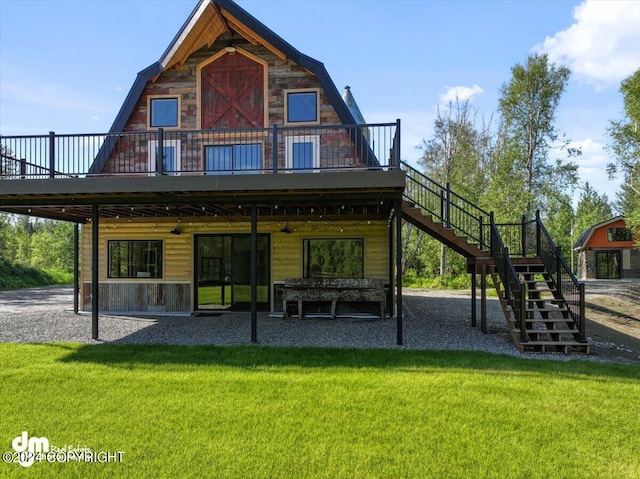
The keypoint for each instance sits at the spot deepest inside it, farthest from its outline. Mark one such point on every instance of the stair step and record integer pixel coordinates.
(545, 310)
(546, 331)
(564, 345)
(524, 268)
(549, 320)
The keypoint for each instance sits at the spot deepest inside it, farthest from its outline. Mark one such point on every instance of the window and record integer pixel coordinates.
(164, 112)
(619, 234)
(302, 106)
(333, 258)
(135, 259)
(303, 152)
(170, 158)
(245, 158)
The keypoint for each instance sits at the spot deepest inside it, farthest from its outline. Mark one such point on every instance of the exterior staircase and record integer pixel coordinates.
(549, 325)
(542, 300)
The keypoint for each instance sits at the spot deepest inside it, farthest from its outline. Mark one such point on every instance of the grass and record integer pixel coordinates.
(13, 276)
(203, 411)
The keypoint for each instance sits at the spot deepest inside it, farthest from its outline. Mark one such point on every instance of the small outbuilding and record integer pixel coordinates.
(607, 251)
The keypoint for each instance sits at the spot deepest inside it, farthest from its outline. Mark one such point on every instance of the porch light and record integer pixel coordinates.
(230, 49)
(175, 231)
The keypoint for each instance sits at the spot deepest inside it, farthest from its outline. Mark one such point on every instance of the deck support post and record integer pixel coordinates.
(95, 255)
(76, 282)
(483, 298)
(391, 295)
(474, 308)
(398, 208)
(254, 273)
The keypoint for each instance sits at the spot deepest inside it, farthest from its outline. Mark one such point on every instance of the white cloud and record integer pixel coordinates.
(461, 93)
(602, 47)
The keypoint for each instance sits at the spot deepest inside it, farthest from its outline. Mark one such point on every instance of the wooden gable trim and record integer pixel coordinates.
(218, 13)
(184, 33)
(213, 58)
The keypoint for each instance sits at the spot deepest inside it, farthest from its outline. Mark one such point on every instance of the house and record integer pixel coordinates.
(606, 251)
(233, 164)
(235, 173)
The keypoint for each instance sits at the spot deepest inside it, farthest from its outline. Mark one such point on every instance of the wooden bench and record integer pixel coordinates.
(333, 290)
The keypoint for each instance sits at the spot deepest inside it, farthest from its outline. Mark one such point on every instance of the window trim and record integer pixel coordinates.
(151, 163)
(233, 172)
(286, 106)
(291, 140)
(160, 258)
(150, 99)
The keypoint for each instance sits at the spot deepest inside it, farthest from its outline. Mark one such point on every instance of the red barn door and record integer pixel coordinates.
(232, 93)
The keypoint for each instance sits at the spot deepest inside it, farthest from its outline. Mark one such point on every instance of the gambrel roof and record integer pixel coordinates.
(584, 237)
(210, 20)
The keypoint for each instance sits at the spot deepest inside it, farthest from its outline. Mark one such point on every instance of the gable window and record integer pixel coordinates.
(164, 112)
(233, 159)
(619, 234)
(302, 106)
(170, 158)
(135, 259)
(303, 153)
(333, 258)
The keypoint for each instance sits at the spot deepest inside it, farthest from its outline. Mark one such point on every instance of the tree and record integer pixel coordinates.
(454, 154)
(8, 164)
(559, 221)
(52, 246)
(625, 147)
(528, 106)
(592, 209)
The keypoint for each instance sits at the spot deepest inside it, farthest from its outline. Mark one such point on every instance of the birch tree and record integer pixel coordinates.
(527, 107)
(454, 155)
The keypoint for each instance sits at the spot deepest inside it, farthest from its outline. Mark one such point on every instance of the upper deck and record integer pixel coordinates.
(72, 172)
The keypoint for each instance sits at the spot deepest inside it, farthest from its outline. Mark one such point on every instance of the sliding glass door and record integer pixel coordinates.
(223, 272)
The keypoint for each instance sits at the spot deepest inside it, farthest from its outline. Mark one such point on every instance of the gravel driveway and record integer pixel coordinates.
(433, 320)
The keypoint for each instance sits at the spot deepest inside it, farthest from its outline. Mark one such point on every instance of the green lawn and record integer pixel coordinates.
(286, 412)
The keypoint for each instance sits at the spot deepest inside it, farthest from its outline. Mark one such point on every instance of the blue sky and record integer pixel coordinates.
(66, 66)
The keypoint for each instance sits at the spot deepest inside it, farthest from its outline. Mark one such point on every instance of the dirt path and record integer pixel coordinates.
(613, 318)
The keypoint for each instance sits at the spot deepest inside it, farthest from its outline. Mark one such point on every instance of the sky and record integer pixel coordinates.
(67, 66)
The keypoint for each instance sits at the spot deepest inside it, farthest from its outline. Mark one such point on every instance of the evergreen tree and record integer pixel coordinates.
(592, 209)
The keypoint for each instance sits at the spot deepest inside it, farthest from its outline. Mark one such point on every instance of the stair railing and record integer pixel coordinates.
(564, 280)
(514, 289)
(447, 207)
(468, 220)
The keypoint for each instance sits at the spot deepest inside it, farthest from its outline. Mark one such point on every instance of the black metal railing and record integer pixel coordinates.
(447, 207)
(503, 241)
(565, 282)
(172, 152)
(514, 290)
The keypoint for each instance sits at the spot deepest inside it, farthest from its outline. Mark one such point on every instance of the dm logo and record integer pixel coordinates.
(27, 448)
